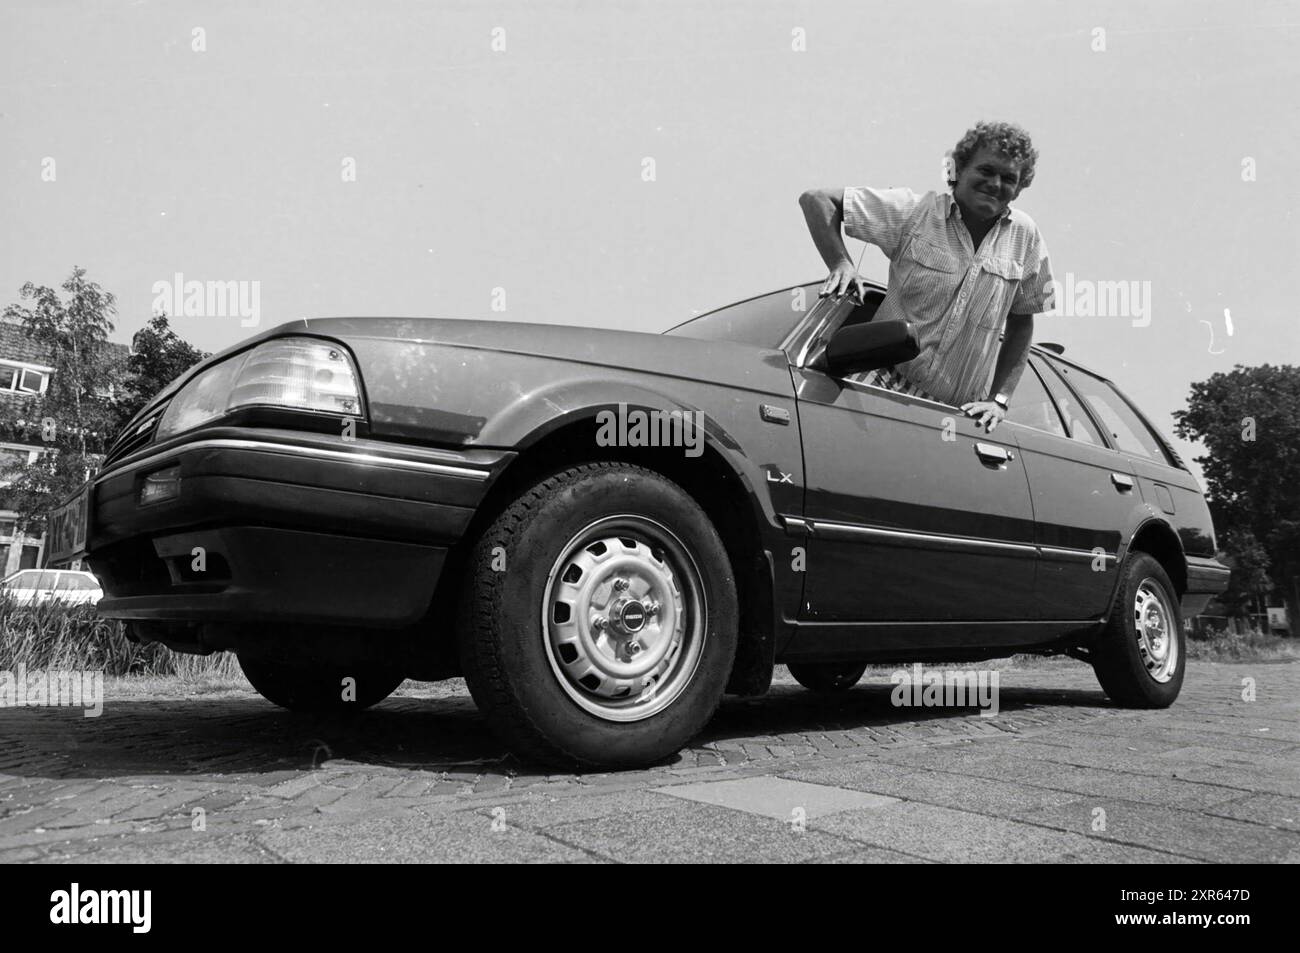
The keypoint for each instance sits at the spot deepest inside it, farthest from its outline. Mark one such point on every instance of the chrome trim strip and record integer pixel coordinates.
(853, 530)
(948, 408)
(1083, 555)
(795, 526)
(270, 446)
(831, 530)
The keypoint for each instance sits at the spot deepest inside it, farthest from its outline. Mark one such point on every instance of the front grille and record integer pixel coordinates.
(134, 437)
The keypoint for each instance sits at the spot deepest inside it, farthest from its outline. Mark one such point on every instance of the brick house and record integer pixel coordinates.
(25, 369)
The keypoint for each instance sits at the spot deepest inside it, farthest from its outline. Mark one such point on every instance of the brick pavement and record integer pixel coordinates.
(1058, 775)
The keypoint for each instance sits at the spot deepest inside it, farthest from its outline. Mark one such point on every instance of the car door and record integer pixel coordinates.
(913, 513)
(1083, 495)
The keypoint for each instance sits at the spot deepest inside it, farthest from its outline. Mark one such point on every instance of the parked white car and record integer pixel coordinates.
(68, 586)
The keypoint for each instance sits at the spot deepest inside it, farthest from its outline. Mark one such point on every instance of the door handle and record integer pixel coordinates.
(992, 453)
(1123, 482)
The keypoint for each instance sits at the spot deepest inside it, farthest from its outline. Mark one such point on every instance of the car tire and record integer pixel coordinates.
(827, 677)
(319, 688)
(1141, 655)
(558, 686)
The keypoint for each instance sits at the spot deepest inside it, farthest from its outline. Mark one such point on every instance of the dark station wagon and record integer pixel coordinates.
(349, 502)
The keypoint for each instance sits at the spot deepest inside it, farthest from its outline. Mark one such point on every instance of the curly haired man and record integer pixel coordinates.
(964, 267)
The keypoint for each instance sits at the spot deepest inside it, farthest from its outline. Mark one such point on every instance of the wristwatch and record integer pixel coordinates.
(1000, 399)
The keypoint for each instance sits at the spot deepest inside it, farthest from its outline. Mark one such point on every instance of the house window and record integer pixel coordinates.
(31, 382)
(14, 457)
(23, 378)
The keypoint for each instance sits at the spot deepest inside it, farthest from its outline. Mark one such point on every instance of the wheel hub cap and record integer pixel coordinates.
(1153, 621)
(623, 618)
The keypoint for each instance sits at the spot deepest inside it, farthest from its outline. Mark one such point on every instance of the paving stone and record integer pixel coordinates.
(697, 833)
(965, 792)
(418, 838)
(1188, 833)
(1273, 810)
(777, 798)
(949, 836)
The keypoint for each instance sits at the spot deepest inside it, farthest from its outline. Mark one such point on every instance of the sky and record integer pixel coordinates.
(623, 164)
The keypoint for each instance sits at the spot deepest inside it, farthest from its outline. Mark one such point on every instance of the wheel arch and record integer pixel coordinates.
(1157, 538)
(711, 480)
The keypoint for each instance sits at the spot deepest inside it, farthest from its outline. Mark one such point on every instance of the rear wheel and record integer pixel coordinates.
(320, 687)
(1141, 655)
(827, 677)
(599, 625)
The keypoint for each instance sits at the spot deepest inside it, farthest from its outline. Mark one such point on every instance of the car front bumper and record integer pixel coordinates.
(282, 525)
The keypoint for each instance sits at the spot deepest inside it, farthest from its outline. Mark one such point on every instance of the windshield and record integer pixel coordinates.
(762, 322)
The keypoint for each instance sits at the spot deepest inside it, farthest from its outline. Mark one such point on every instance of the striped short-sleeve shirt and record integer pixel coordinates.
(958, 297)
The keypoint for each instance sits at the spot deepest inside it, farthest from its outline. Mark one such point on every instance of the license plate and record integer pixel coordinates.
(68, 526)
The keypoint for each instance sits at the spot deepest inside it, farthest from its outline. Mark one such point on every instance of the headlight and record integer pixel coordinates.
(301, 373)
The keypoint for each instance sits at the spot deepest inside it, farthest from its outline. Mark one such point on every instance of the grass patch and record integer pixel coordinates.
(52, 636)
(1248, 647)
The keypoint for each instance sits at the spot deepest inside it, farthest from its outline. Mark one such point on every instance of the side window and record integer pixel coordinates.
(1127, 430)
(1032, 406)
(1077, 423)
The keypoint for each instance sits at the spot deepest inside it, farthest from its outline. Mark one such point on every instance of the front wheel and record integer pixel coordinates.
(1141, 655)
(318, 687)
(827, 677)
(599, 625)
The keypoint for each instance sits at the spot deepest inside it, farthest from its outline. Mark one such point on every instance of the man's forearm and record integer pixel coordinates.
(1014, 354)
(825, 217)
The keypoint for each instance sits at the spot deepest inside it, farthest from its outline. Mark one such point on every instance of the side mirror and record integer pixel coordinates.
(870, 346)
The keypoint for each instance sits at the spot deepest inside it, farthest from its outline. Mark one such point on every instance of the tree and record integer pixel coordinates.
(73, 419)
(158, 356)
(1249, 420)
(1250, 564)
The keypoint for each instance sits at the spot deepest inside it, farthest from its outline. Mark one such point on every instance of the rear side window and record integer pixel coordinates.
(74, 581)
(763, 321)
(1126, 429)
(1031, 405)
(23, 580)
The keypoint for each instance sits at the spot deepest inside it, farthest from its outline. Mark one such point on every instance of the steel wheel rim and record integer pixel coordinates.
(662, 608)
(1153, 620)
